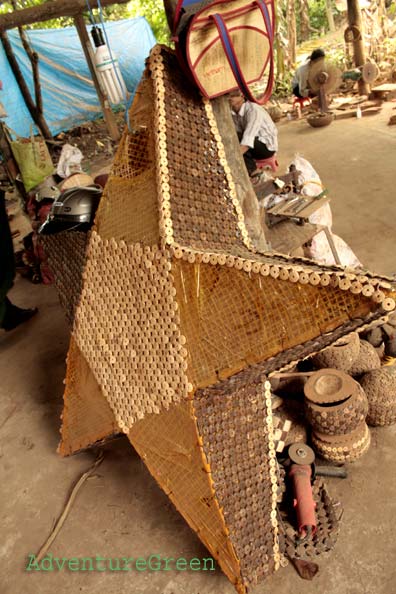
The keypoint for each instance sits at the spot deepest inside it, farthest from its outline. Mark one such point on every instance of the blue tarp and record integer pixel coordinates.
(69, 96)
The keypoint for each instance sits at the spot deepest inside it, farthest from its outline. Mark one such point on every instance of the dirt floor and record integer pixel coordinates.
(121, 512)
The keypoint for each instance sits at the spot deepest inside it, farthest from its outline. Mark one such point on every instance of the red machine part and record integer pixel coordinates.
(302, 458)
(303, 500)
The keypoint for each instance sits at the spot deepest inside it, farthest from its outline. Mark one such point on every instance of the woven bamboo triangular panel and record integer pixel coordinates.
(178, 321)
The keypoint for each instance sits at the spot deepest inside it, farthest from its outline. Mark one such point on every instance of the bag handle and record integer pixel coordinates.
(233, 60)
(9, 132)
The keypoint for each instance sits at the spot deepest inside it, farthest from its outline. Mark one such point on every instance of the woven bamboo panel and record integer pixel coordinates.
(196, 180)
(173, 299)
(235, 421)
(169, 445)
(128, 210)
(232, 318)
(66, 255)
(127, 327)
(135, 154)
(116, 219)
(87, 417)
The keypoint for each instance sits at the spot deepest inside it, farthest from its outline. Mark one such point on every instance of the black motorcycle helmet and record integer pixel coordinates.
(74, 209)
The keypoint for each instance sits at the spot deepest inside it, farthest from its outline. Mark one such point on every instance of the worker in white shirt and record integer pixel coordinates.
(256, 131)
(300, 84)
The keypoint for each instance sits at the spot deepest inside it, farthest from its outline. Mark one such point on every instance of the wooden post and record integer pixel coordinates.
(359, 54)
(104, 101)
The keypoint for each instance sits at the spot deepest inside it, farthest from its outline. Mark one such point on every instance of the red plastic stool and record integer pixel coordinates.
(270, 163)
(301, 101)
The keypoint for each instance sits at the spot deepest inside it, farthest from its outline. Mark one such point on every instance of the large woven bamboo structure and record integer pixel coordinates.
(177, 322)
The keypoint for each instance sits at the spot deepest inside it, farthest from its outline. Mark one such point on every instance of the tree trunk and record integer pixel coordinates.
(280, 59)
(359, 55)
(330, 17)
(37, 117)
(246, 195)
(280, 42)
(305, 25)
(383, 18)
(49, 10)
(34, 60)
(291, 30)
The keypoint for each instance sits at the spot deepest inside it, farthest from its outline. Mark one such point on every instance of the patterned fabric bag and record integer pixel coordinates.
(226, 45)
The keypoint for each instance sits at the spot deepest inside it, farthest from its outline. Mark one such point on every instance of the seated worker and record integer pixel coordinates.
(256, 131)
(300, 79)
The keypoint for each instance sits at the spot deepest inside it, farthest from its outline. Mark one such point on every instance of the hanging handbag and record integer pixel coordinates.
(226, 45)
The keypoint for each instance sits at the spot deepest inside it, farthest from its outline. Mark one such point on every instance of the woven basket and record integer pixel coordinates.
(345, 448)
(338, 418)
(340, 356)
(380, 388)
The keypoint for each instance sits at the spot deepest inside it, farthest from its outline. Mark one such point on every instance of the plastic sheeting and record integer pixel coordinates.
(319, 249)
(69, 96)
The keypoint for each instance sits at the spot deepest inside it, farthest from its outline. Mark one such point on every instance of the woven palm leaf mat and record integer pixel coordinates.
(169, 298)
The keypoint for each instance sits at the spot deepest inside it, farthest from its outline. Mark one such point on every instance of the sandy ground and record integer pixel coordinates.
(121, 512)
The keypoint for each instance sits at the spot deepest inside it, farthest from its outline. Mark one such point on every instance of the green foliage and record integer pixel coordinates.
(389, 50)
(392, 9)
(317, 14)
(152, 10)
(282, 86)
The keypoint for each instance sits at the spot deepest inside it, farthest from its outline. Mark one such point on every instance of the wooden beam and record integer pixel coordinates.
(103, 99)
(49, 10)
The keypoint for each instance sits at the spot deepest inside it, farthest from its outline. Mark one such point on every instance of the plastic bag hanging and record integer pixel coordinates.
(107, 68)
